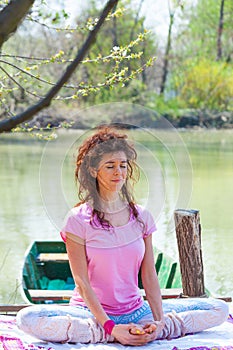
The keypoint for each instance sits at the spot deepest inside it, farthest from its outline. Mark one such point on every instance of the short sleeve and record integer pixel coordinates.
(73, 224)
(149, 223)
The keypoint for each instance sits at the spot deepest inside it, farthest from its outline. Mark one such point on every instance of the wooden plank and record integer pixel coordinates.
(12, 308)
(167, 293)
(226, 299)
(42, 295)
(50, 292)
(42, 257)
(174, 293)
(46, 294)
(55, 295)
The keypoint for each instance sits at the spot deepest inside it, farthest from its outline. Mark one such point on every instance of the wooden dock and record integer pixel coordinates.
(188, 233)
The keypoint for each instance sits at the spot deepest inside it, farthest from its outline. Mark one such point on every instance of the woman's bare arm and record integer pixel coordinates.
(78, 264)
(150, 281)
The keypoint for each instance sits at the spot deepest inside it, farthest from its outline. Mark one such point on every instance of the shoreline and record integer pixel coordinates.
(139, 118)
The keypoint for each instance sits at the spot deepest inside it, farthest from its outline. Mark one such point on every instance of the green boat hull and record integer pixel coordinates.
(47, 278)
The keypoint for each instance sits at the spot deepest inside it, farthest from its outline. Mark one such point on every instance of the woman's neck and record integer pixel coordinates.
(111, 205)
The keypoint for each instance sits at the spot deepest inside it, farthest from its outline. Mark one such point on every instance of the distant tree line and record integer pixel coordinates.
(40, 54)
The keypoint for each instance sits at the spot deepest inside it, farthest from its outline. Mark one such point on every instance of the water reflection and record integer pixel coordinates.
(207, 186)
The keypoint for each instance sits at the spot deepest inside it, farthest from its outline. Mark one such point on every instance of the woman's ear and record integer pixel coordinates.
(93, 172)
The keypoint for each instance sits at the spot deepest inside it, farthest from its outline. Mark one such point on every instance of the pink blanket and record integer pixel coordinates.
(13, 339)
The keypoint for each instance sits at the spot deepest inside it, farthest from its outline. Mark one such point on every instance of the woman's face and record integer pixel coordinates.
(112, 172)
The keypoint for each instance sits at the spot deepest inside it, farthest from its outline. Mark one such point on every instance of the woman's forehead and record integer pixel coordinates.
(119, 156)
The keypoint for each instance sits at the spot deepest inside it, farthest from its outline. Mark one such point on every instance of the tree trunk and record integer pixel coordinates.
(114, 33)
(188, 234)
(166, 57)
(220, 30)
(11, 16)
(132, 33)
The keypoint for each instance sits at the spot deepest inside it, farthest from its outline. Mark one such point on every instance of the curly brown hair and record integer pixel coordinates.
(106, 140)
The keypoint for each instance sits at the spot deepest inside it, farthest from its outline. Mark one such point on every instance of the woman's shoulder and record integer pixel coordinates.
(81, 211)
(76, 221)
(146, 216)
(142, 210)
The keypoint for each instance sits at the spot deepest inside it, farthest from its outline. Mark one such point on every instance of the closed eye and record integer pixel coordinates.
(121, 166)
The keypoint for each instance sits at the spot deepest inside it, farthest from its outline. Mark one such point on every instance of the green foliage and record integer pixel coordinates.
(125, 49)
(206, 84)
(121, 65)
(29, 69)
(165, 106)
(197, 35)
(196, 80)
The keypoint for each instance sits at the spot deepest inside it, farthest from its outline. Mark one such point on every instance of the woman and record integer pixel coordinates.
(109, 239)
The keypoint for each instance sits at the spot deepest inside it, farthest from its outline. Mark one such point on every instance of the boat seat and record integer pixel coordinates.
(43, 257)
(38, 295)
(42, 295)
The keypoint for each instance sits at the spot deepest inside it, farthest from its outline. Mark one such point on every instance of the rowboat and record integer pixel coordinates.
(47, 278)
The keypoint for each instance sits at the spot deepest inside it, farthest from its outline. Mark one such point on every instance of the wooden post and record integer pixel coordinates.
(188, 234)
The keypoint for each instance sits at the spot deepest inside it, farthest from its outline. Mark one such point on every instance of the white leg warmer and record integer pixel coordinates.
(193, 321)
(61, 328)
(199, 320)
(174, 327)
(57, 325)
(87, 331)
(203, 314)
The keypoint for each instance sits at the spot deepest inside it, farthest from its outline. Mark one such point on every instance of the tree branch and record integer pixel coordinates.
(11, 16)
(9, 124)
(220, 31)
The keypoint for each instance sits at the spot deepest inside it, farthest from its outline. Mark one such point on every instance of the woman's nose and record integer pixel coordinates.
(117, 170)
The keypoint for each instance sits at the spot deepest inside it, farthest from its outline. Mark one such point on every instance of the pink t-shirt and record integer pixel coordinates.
(114, 257)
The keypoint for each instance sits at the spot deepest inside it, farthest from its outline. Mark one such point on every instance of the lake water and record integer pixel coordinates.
(188, 169)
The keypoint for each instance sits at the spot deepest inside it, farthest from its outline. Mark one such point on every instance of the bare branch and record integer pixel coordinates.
(24, 72)
(19, 85)
(12, 78)
(9, 124)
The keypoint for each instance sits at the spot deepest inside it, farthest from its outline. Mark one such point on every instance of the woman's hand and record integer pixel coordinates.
(132, 334)
(154, 328)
